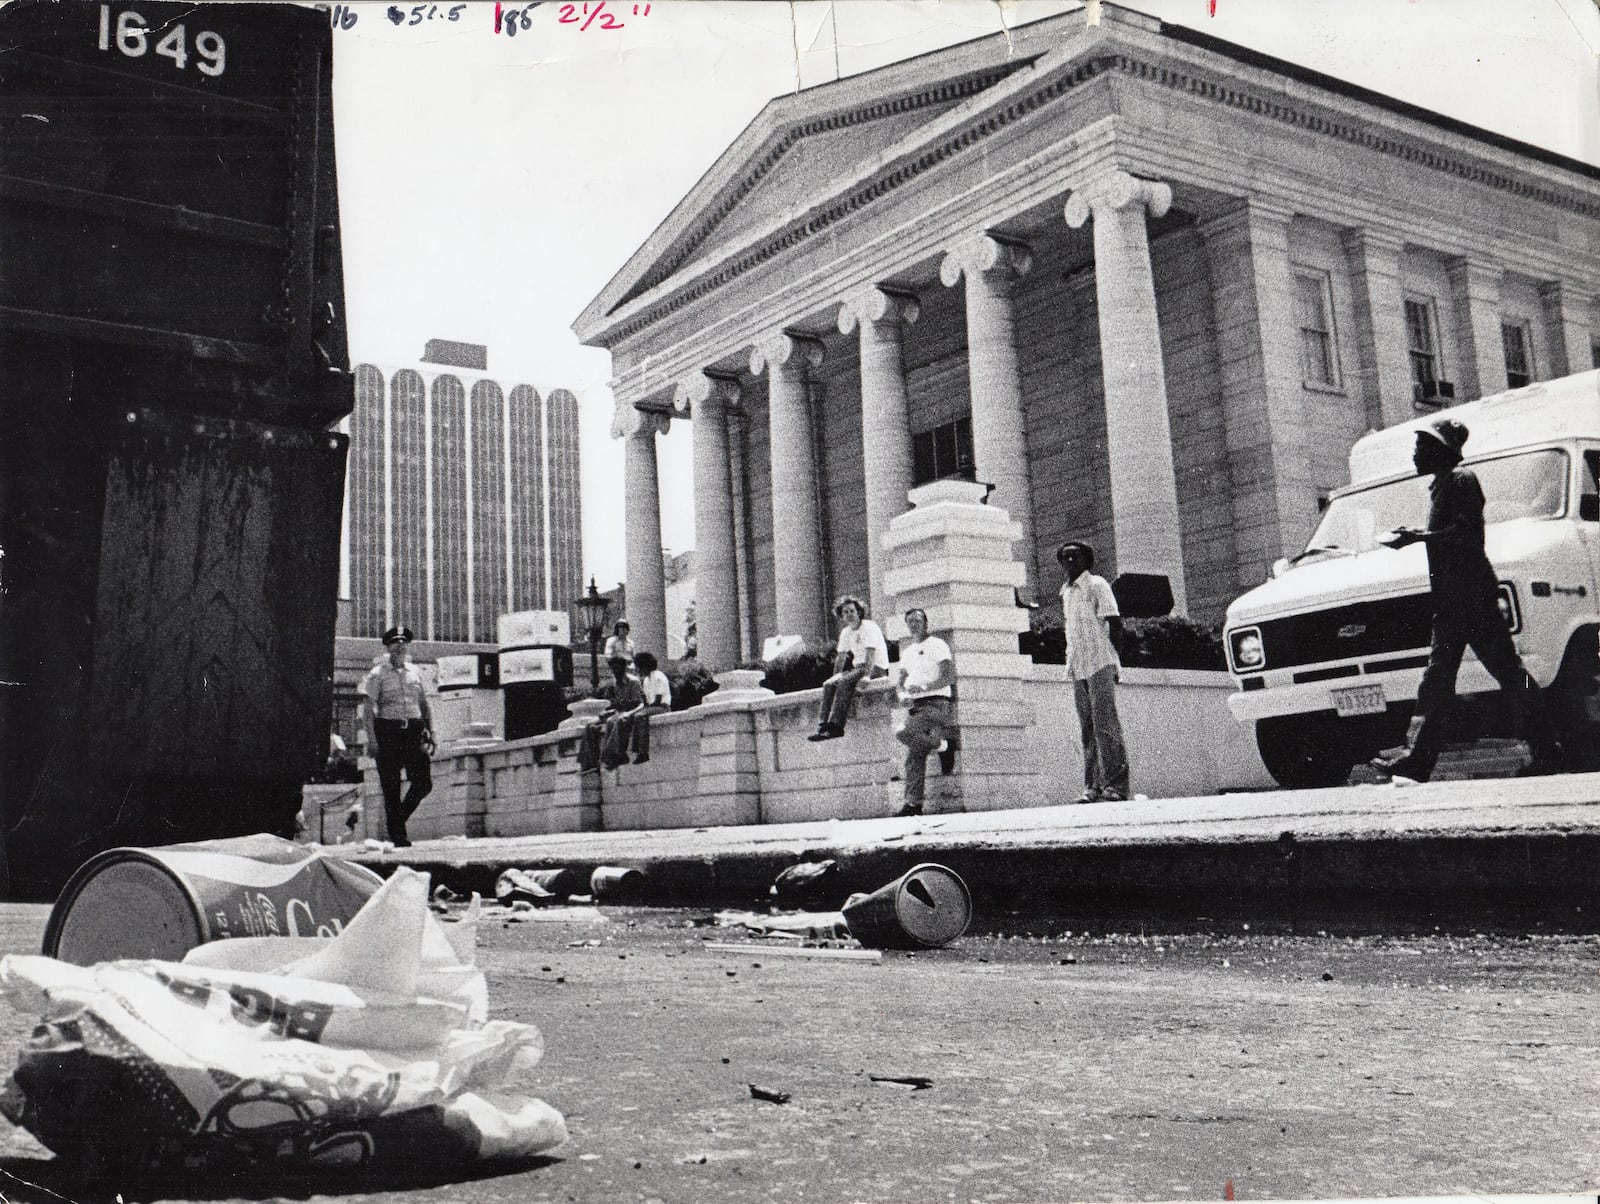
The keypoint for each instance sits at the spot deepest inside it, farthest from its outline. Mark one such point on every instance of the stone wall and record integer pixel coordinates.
(750, 763)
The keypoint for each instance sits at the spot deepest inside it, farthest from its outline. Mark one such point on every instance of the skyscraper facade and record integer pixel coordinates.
(462, 498)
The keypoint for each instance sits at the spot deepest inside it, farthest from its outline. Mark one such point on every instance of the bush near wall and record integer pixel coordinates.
(803, 667)
(1168, 642)
(690, 681)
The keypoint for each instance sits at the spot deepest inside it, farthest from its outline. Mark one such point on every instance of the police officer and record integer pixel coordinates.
(1466, 611)
(400, 730)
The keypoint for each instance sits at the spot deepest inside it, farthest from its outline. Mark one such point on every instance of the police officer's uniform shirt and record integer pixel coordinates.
(395, 693)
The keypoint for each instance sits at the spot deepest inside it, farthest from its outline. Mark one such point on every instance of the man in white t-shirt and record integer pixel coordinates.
(657, 701)
(1093, 624)
(926, 675)
(861, 652)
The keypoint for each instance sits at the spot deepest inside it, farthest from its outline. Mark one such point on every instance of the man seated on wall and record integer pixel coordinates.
(861, 652)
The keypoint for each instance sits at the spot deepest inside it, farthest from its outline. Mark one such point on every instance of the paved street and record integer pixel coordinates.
(1062, 1066)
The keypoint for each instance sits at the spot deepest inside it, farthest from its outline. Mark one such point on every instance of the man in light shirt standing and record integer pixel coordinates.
(1093, 626)
(926, 675)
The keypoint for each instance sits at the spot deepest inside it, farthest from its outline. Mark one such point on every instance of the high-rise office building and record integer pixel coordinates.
(462, 497)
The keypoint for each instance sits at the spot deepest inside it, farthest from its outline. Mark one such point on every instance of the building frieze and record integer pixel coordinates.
(967, 130)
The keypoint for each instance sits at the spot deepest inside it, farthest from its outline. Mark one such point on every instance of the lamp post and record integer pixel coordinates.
(593, 607)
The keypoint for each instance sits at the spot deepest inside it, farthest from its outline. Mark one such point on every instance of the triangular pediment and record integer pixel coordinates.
(800, 145)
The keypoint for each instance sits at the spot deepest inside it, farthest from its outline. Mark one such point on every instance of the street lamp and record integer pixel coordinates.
(593, 607)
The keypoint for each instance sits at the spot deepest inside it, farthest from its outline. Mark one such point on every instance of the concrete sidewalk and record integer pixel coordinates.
(1500, 853)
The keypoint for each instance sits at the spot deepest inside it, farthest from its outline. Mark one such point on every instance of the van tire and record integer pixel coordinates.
(1302, 751)
(1573, 703)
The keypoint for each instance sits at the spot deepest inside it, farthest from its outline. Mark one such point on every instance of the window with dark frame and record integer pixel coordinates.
(1420, 341)
(1319, 363)
(1516, 339)
(945, 451)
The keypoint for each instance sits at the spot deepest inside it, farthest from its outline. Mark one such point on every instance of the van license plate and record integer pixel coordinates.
(1360, 700)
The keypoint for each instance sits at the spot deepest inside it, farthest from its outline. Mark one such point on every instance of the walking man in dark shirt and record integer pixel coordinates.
(1466, 611)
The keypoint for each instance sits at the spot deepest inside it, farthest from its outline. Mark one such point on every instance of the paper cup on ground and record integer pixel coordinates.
(162, 902)
(616, 882)
(924, 908)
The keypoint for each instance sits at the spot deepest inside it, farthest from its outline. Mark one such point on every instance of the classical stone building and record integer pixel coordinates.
(462, 497)
(1148, 284)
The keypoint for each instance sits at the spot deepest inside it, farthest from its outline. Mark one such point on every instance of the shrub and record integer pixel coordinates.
(690, 681)
(1171, 642)
(1168, 642)
(803, 667)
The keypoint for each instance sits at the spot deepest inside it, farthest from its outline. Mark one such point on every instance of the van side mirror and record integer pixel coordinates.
(1589, 507)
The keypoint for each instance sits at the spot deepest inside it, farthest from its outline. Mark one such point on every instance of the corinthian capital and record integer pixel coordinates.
(878, 306)
(986, 255)
(705, 393)
(628, 419)
(784, 350)
(1116, 189)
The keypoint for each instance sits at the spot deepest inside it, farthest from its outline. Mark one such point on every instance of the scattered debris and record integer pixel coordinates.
(827, 954)
(817, 925)
(915, 1081)
(772, 1097)
(809, 886)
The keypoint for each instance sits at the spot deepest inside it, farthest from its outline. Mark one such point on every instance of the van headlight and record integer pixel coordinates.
(1506, 596)
(1246, 650)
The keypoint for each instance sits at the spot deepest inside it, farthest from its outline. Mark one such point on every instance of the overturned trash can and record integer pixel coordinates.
(924, 908)
(616, 883)
(162, 902)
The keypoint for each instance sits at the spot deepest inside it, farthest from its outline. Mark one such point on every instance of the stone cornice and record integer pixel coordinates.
(1395, 135)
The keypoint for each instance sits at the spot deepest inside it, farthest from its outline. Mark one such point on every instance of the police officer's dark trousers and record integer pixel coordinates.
(400, 748)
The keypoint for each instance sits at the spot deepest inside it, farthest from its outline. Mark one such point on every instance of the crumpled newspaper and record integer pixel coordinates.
(370, 1051)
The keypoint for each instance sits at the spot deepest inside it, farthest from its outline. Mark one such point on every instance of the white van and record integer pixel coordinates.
(1328, 653)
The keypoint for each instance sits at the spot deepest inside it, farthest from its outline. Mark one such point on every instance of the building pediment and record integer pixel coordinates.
(809, 144)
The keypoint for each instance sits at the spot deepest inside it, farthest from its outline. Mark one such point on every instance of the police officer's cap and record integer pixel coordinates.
(397, 635)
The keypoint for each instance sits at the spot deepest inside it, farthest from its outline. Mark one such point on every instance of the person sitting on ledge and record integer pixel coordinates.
(620, 642)
(861, 652)
(657, 701)
(627, 696)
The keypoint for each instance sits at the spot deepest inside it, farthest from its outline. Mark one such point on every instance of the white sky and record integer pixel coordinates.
(491, 185)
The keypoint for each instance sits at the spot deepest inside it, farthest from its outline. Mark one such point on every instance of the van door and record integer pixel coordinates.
(1587, 511)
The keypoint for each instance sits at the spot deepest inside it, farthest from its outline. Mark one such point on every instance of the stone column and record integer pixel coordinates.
(1378, 290)
(885, 419)
(1566, 311)
(715, 562)
(647, 591)
(1144, 489)
(743, 558)
(999, 428)
(1475, 290)
(796, 531)
(1258, 345)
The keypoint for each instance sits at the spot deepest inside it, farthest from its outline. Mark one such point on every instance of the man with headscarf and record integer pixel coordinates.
(1466, 611)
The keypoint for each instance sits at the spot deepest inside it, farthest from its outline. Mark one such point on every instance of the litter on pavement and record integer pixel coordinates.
(370, 1051)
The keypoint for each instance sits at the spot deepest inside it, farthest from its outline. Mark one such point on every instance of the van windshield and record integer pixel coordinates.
(1529, 485)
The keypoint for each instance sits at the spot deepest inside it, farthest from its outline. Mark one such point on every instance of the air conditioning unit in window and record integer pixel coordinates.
(1431, 394)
